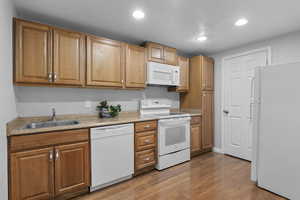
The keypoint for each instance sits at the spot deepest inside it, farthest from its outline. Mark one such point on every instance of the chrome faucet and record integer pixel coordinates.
(53, 117)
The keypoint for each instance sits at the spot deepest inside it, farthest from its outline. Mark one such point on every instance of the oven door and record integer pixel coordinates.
(174, 135)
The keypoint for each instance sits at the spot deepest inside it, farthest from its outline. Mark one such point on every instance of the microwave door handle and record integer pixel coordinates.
(161, 71)
(175, 74)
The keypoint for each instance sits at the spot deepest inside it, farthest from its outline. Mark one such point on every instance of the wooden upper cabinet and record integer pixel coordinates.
(33, 57)
(170, 55)
(183, 63)
(135, 67)
(161, 54)
(155, 52)
(105, 62)
(72, 167)
(32, 175)
(69, 57)
(207, 119)
(207, 74)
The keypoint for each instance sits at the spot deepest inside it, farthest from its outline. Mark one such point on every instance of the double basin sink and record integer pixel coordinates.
(50, 124)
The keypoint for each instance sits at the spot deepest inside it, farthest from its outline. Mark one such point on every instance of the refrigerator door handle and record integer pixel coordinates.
(251, 110)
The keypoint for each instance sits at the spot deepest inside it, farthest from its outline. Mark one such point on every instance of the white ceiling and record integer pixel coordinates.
(176, 23)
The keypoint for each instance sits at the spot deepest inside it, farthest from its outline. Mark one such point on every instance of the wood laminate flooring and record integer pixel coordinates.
(210, 176)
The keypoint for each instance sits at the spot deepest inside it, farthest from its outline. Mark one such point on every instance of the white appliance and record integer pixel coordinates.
(276, 109)
(173, 132)
(112, 149)
(173, 141)
(163, 74)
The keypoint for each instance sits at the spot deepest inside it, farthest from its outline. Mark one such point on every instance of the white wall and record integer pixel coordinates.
(284, 49)
(7, 98)
(38, 101)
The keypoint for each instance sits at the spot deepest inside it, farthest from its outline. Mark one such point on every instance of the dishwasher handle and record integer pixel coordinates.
(112, 131)
(108, 128)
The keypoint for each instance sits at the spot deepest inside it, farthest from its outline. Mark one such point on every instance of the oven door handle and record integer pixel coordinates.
(175, 119)
(175, 122)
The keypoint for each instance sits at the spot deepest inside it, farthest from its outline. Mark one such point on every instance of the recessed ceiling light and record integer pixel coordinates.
(202, 38)
(241, 22)
(138, 14)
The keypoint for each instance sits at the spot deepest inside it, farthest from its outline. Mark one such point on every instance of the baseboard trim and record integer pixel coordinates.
(218, 150)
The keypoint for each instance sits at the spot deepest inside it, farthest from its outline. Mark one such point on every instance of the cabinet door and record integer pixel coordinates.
(33, 59)
(196, 138)
(155, 52)
(72, 167)
(207, 74)
(170, 55)
(135, 67)
(184, 74)
(207, 119)
(105, 62)
(32, 174)
(69, 59)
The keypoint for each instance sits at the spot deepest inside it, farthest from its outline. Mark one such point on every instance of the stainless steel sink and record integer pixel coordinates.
(50, 124)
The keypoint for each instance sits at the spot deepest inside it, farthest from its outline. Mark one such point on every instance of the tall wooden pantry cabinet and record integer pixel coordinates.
(201, 96)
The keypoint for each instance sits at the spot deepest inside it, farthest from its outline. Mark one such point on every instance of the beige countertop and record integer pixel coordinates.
(16, 127)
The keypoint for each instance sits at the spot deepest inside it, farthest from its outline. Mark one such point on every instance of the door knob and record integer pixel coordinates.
(226, 112)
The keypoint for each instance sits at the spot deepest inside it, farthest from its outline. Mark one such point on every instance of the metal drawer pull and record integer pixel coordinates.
(147, 126)
(147, 159)
(147, 141)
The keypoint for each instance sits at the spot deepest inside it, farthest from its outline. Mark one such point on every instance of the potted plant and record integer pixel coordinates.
(106, 111)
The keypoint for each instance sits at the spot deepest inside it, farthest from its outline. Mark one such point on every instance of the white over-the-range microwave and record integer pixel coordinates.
(162, 74)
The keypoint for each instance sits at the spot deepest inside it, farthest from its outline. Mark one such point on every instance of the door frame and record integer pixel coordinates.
(266, 49)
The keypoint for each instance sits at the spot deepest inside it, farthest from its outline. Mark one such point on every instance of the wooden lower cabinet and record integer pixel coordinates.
(72, 166)
(201, 135)
(32, 174)
(60, 171)
(145, 159)
(207, 119)
(196, 138)
(145, 139)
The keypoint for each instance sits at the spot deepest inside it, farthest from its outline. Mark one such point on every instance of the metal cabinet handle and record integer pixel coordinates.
(50, 77)
(55, 76)
(56, 154)
(51, 155)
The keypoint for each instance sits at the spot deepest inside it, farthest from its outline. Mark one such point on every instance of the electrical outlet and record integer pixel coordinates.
(87, 104)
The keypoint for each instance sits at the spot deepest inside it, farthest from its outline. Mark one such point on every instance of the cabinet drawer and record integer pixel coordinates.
(196, 120)
(145, 140)
(144, 159)
(24, 142)
(145, 126)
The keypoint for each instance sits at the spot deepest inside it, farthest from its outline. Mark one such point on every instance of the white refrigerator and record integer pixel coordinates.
(276, 137)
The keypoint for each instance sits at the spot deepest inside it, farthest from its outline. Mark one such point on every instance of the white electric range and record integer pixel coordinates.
(173, 132)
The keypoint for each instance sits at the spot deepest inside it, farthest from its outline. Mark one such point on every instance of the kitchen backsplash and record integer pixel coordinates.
(38, 101)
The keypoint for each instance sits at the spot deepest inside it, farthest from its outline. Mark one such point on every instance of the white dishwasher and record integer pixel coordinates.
(112, 149)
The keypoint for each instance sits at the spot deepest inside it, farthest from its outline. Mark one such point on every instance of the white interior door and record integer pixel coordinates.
(238, 101)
